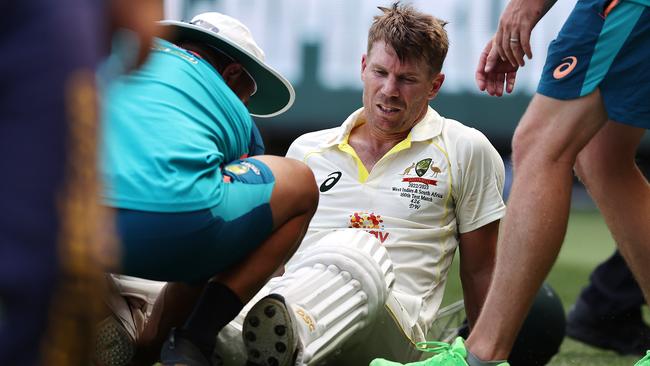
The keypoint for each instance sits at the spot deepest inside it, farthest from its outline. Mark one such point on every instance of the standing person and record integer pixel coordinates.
(189, 208)
(607, 314)
(401, 189)
(589, 114)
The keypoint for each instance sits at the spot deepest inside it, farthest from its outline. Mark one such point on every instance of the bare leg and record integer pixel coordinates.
(546, 143)
(171, 309)
(607, 168)
(293, 203)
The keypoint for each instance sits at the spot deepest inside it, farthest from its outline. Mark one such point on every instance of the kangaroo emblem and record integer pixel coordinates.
(408, 170)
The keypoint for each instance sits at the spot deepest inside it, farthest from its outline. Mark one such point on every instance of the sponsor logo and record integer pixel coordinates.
(371, 221)
(331, 180)
(176, 52)
(251, 166)
(237, 169)
(242, 167)
(565, 68)
(307, 319)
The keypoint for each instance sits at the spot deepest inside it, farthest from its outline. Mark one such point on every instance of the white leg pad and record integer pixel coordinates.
(138, 288)
(335, 288)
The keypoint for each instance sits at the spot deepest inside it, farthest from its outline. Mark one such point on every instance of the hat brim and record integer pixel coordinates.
(274, 93)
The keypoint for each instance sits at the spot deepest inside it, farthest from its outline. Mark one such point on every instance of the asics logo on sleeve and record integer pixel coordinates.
(332, 179)
(565, 68)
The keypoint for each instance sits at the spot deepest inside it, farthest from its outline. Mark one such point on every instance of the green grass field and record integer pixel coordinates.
(587, 243)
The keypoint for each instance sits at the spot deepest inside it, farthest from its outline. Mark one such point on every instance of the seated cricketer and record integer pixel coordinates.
(408, 187)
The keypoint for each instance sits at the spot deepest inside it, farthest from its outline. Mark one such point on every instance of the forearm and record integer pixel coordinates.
(477, 261)
(548, 4)
(475, 288)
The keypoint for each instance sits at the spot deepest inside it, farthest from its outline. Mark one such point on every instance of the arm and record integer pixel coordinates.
(504, 53)
(477, 256)
(516, 23)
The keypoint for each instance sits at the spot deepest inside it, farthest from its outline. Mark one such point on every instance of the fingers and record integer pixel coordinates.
(500, 77)
(496, 44)
(491, 84)
(507, 43)
(481, 80)
(493, 57)
(495, 83)
(510, 81)
(517, 49)
(524, 39)
(480, 69)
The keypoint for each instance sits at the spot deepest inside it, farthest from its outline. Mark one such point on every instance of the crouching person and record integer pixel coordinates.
(190, 207)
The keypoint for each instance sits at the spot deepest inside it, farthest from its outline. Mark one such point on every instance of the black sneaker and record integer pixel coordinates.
(627, 334)
(178, 350)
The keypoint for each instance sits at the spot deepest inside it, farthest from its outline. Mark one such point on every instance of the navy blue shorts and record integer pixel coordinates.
(194, 246)
(604, 44)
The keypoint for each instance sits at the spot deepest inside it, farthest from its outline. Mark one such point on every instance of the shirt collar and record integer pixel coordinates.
(429, 127)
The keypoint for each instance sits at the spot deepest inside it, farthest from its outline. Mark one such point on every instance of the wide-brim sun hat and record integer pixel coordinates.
(274, 93)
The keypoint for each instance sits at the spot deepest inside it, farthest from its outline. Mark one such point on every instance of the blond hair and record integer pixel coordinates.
(412, 34)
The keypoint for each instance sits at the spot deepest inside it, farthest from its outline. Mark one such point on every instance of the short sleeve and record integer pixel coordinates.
(479, 198)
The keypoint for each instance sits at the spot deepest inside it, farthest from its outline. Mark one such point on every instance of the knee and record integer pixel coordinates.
(523, 144)
(304, 186)
(586, 168)
(595, 167)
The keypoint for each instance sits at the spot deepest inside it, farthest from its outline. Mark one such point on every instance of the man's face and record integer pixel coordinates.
(243, 85)
(395, 94)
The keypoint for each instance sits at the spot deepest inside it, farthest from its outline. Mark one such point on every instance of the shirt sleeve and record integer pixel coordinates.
(479, 198)
(294, 151)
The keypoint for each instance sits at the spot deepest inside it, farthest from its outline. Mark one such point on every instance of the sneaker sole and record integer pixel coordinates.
(113, 344)
(269, 336)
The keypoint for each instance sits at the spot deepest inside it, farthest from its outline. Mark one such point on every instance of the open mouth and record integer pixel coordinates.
(386, 109)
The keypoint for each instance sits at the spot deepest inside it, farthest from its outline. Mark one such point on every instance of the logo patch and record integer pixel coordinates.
(422, 166)
(372, 221)
(331, 180)
(176, 52)
(302, 314)
(565, 68)
(237, 169)
(421, 169)
(421, 179)
(242, 167)
(250, 166)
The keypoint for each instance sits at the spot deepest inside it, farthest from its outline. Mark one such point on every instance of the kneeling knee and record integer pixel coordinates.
(304, 178)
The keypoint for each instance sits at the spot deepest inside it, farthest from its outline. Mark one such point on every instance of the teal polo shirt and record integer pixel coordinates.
(167, 130)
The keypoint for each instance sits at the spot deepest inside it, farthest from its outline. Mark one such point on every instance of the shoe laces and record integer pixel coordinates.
(433, 346)
(456, 349)
(645, 359)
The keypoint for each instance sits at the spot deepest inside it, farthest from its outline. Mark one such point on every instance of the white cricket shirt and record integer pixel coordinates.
(443, 179)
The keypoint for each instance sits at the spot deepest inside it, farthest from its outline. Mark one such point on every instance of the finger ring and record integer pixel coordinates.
(514, 40)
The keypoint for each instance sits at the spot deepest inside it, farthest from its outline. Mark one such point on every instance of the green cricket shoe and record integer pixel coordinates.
(645, 361)
(447, 355)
